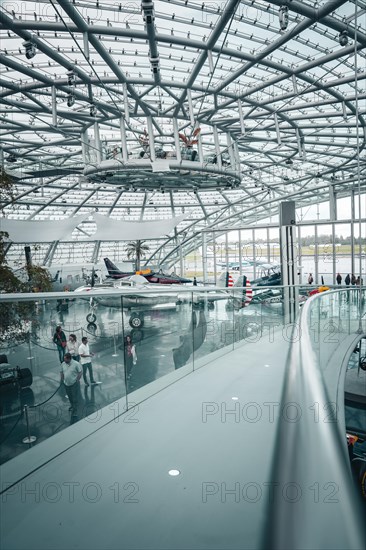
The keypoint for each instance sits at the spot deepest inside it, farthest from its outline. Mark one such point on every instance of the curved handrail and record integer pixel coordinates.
(314, 502)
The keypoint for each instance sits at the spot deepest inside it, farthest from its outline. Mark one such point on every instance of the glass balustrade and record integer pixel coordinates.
(173, 333)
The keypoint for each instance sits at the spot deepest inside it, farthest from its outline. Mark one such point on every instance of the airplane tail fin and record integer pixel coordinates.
(244, 295)
(111, 268)
(226, 280)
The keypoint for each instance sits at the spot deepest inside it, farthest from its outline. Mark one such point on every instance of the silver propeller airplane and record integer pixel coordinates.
(150, 297)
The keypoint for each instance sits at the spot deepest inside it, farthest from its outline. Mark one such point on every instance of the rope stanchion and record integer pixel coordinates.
(29, 438)
(30, 356)
(115, 354)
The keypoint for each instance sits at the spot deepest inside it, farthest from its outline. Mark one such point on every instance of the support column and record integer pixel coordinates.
(229, 142)
(299, 248)
(352, 232)
(332, 204)
(122, 126)
(181, 264)
(254, 252)
(240, 254)
(204, 257)
(214, 257)
(98, 151)
(333, 254)
(227, 251)
(199, 147)
(125, 102)
(217, 146)
(176, 139)
(316, 255)
(95, 252)
(85, 146)
(151, 137)
(288, 260)
(237, 157)
(54, 107)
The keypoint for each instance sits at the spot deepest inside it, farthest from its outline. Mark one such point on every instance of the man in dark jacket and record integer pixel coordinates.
(59, 339)
(339, 279)
(347, 279)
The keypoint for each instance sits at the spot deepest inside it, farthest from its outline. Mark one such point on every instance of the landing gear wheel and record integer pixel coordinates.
(91, 318)
(136, 321)
(92, 327)
(25, 378)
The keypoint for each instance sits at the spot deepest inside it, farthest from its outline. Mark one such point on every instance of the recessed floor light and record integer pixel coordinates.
(235, 398)
(174, 473)
(266, 365)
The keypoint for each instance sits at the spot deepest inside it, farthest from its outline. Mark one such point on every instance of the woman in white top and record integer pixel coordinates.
(73, 347)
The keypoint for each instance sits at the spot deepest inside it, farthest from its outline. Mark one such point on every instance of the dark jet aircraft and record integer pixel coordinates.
(151, 276)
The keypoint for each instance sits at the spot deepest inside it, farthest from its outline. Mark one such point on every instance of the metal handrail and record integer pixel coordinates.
(314, 504)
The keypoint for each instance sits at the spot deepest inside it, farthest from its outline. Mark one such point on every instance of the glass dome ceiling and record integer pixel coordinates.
(152, 109)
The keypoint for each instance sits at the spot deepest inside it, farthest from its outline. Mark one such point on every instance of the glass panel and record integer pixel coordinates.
(30, 345)
(157, 346)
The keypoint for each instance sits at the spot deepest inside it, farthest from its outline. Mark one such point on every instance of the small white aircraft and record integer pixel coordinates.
(152, 296)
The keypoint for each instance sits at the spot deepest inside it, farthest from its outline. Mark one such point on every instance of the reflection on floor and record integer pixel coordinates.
(156, 343)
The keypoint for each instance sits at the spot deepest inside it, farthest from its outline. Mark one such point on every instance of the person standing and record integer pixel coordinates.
(353, 279)
(347, 280)
(73, 348)
(59, 339)
(339, 279)
(70, 376)
(85, 360)
(310, 279)
(130, 355)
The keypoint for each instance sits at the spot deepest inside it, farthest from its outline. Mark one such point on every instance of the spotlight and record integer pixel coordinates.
(289, 161)
(93, 110)
(343, 38)
(71, 78)
(283, 17)
(30, 49)
(70, 100)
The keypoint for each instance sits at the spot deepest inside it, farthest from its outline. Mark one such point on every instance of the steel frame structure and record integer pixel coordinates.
(280, 111)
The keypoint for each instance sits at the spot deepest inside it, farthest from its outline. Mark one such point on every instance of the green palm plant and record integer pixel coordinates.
(137, 250)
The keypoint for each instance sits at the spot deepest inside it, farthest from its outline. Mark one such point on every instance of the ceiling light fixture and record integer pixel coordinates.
(71, 78)
(70, 100)
(283, 17)
(30, 49)
(343, 38)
